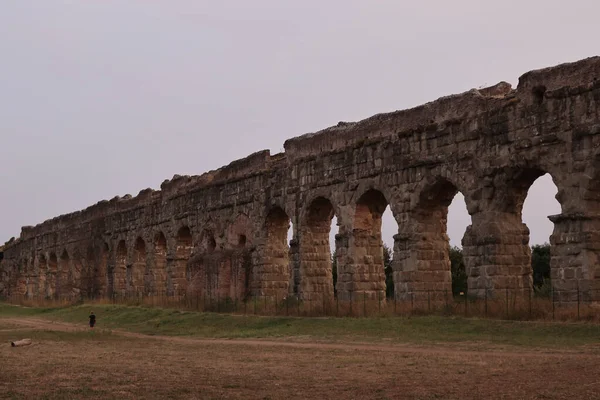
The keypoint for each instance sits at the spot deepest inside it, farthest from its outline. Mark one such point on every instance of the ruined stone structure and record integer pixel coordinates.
(224, 233)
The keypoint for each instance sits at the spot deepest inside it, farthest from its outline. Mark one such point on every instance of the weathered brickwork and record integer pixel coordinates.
(224, 233)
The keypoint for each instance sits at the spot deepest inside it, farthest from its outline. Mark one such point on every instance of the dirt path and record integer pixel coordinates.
(157, 367)
(298, 343)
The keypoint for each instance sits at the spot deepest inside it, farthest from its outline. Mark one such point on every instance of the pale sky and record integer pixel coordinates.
(103, 98)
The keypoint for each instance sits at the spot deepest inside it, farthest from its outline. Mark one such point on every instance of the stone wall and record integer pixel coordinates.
(224, 233)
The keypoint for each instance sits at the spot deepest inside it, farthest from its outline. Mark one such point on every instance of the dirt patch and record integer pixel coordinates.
(78, 363)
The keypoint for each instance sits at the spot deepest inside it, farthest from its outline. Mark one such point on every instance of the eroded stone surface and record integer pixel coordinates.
(224, 233)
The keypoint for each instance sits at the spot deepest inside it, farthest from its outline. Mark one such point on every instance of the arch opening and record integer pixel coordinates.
(539, 203)
(159, 272)
(512, 263)
(183, 252)
(217, 267)
(294, 261)
(458, 220)
(226, 270)
(389, 228)
(438, 269)
(335, 254)
(202, 271)
(498, 250)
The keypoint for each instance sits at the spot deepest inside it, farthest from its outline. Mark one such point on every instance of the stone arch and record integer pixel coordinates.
(137, 269)
(196, 277)
(387, 192)
(496, 246)
(183, 251)
(444, 183)
(565, 266)
(422, 262)
(210, 270)
(366, 247)
(317, 197)
(516, 181)
(316, 276)
(519, 186)
(275, 256)
(159, 272)
(120, 270)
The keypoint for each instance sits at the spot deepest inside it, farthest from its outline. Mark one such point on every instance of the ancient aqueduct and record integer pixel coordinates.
(224, 233)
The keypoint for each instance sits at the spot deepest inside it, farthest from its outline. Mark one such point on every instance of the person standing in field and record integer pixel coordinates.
(92, 320)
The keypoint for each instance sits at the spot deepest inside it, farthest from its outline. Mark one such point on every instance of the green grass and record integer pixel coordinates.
(426, 329)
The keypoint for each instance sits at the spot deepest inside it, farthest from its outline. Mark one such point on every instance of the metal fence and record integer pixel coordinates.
(506, 304)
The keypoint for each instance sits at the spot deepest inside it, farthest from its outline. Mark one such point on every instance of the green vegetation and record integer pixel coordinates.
(389, 272)
(459, 272)
(540, 264)
(155, 321)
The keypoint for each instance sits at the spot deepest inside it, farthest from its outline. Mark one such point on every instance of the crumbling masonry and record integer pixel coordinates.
(224, 233)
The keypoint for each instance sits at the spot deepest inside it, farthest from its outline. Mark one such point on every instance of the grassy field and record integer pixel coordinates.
(137, 352)
(424, 329)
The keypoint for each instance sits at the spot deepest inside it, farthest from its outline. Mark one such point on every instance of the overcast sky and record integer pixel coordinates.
(103, 98)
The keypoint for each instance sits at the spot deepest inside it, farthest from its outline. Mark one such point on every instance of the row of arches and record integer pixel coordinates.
(196, 268)
(300, 264)
(147, 270)
(56, 275)
(421, 256)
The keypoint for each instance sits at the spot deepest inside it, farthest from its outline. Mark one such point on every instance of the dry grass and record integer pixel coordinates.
(104, 365)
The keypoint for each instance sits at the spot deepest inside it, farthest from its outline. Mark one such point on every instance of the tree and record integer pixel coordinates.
(389, 273)
(540, 263)
(334, 271)
(459, 273)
